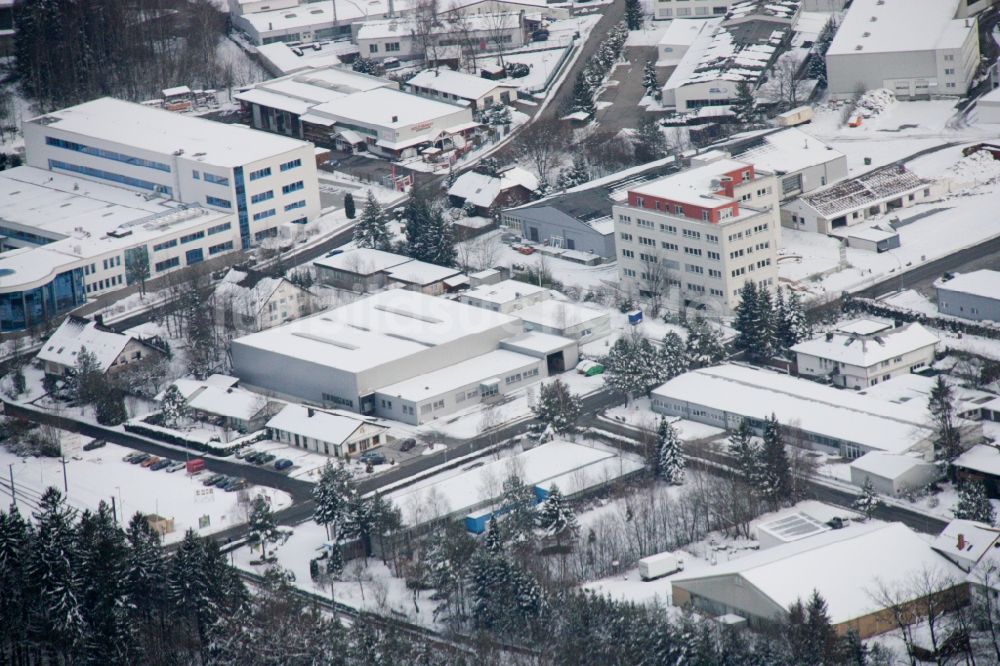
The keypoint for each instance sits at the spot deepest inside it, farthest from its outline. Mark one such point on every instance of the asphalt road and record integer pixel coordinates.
(625, 112)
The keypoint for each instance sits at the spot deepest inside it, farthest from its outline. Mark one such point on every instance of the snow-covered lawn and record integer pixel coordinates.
(101, 474)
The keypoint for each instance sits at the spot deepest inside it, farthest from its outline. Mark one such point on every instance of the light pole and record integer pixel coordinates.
(13, 495)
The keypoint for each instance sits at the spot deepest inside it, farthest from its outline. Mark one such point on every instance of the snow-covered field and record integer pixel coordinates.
(99, 475)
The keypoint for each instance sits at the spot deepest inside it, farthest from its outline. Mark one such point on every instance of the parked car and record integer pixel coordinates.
(373, 457)
(212, 480)
(222, 481)
(96, 444)
(128, 456)
(407, 444)
(284, 463)
(176, 467)
(161, 464)
(334, 253)
(267, 458)
(141, 458)
(150, 461)
(244, 453)
(234, 485)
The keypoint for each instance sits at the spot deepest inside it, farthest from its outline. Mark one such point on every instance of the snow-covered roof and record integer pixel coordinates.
(980, 458)
(482, 190)
(74, 334)
(362, 261)
(119, 122)
(377, 330)
(792, 527)
(789, 150)
(845, 566)
(966, 540)
(874, 233)
(284, 59)
(538, 342)
(868, 189)
(864, 326)
(448, 379)
(560, 314)
(781, 9)
(316, 423)
(250, 299)
(684, 33)
(697, 186)
(420, 273)
(299, 92)
(320, 14)
(234, 403)
(502, 292)
(466, 86)
(868, 351)
(887, 465)
(984, 283)
(842, 415)
(889, 26)
(388, 107)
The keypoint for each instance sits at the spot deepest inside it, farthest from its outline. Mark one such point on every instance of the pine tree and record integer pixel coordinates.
(792, 326)
(556, 517)
(777, 475)
(746, 321)
(261, 523)
(494, 541)
(704, 344)
(173, 406)
(188, 585)
(649, 81)
(488, 166)
(824, 646)
(868, 501)
(87, 383)
(633, 14)
(650, 364)
(974, 503)
(747, 454)
(442, 235)
(650, 142)
(669, 454)
(745, 102)
(349, 207)
(145, 571)
(332, 495)
(583, 97)
(765, 326)
(623, 372)
(947, 437)
(334, 562)
(673, 355)
(110, 408)
(518, 502)
(576, 174)
(16, 539)
(103, 552)
(372, 230)
(557, 407)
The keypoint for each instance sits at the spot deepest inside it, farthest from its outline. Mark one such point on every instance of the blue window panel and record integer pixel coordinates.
(216, 180)
(266, 233)
(165, 245)
(301, 220)
(219, 228)
(264, 214)
(262, 196)
(241, 208)
(194, 256)
(294, 205)
(196, 175)
(292, 187)
(106, 154)
(287, 166)
(218, 203)
(260, 173)
(167, 264)
(221, 247)
(192, 237)
(56, 165)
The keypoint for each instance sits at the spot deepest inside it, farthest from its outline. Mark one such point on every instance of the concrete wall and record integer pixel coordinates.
(968, 306)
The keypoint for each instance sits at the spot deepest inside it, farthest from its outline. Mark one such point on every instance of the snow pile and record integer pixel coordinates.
(874, 103)
(979, 167)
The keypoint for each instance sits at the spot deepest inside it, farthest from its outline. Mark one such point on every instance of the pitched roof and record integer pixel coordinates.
(865, 190)
(315, 423)
(866, 351)
(74, 334)
(483, 190)
(466, 86)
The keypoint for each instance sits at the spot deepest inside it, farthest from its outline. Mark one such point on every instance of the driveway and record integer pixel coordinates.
(626, 89)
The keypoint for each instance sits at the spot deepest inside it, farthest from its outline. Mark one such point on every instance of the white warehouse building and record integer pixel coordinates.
(915, 48)
(268, 181)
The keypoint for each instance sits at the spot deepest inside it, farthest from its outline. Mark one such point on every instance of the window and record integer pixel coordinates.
(628, 272)
(217, 180)
(264, 214)
(196, 175)
(693, 251)
(373, 48)
(192, 237)
(648, 257)
(669, 246)
(337, 400)
(696, 235)
(219, 228)
(950, 58)
(55, 165)
(647, 241)
(645, 223)
(713, 255)
(194, 256)
(260, 173)
(262, 196)
(711, 239)
(106, 154)
(391, 47)
(714, 273)
(668, 228)
(294, 205)
(629, 254)
(949, 71)
(167, 264)
(222, 247)
(266, 233)
(625, 236)
(292, 187)
(217, 202)
(624, 219)
(691, 268)
(291, 165)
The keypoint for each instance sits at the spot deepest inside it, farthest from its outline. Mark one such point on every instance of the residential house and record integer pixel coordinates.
(360, 269)
(329, 433)
(484, 193)
(219, 397)
(269, 302)
(506, 296)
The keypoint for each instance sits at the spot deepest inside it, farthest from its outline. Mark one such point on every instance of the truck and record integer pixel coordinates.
(195, 465)
(797, 116)
(659, 565)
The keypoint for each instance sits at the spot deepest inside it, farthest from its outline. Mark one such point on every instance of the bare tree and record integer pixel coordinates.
(541, 143)
(788, 82)
(468, 41)
(425, 31)
(656, 283)
(499, 27)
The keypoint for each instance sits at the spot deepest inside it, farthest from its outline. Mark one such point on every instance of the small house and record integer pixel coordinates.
(482, 192)
(893, 474)
(114, 352)
(249, 306)
(325, 432)
(237, 408)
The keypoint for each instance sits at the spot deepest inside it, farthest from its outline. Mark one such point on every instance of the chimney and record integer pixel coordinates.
(829, 336)
(395, 119)
(310, 412)
(961, 542)
(99, 319)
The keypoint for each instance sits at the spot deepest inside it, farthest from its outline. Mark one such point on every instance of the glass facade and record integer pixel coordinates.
(241, 207)
(56, 165)
(106, 154)
(23, 309)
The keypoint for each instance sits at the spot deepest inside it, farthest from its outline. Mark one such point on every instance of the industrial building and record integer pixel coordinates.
(915, 48)
(800, 162)
(445, 41)
(974, 295)
(268, 181)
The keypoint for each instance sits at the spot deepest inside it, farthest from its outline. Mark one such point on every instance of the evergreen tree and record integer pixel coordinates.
(792, 325)
(334, 562)
(188, 585)
(110, 408)
(868, 501)
(557, 407)
(766, 325)
(494, 541)
(633, 14)
(145, 571)
(673, 356)
(947, 437)
(261, 523)
(669, 454)
(823, 645)
(86, 382)
(974, 503)
(745, 323)
(349, 207)
(745, 102)
(576, 174)
(623, 370)
(817, 69)
(332, 495)
(649, 81)
(103, 552)
(583, 97)
(488, 166)
(16, 539)
(776, 484)
(747, 454)
(650, 142)
(704, 345)
(173, 406)
(448, 556)
(650, 362)
(372, 230)
(556, 517)
(428, 236)
(518, 501)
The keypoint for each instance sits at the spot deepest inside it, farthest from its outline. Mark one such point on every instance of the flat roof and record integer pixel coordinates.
(449, 81)
(124, 123)
(287, 59)
(864, 326)
(421, 272)
(504, 291)
(311, 14)
(868, 351)
(787, 151)
(867, 189)
(693, 186)
(536, 341)
(560, 314)
(793, 527)
(379, 329)
(983, 283)
(840, 414)
(888, 26)
(887, 465)
(497, 363)
(684, 33)
(362, 261)
(980, 458)
(389, 108)
(844, 566)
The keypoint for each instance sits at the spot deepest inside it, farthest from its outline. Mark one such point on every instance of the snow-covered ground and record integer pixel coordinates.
(99, 475)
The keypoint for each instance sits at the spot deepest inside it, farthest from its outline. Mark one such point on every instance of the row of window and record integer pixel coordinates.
(740, 234)
(111, 262)
(216, 180)
(221, 247)
(165, 245)
(197, 235)
(219, 228)
(262, 196)
(293, 164)
(294, 205)
(337, 400)
(218, 203)
(167, 264)
(260, 173)
(56, 165)
(264, 214)
(112, 281)
(106, 154)
(292, 187)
